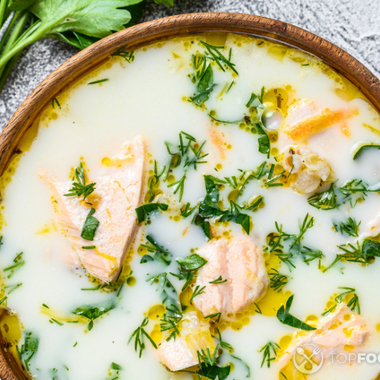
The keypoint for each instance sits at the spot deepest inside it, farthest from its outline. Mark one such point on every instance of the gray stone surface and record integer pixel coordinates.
(354, 25)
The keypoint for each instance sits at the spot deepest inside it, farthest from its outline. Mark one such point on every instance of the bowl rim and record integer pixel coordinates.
(160, 29)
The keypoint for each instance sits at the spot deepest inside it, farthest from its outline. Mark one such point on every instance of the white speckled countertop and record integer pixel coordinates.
(353, 25)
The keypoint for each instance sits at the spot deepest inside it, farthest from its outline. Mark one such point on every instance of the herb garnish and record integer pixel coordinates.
(138, 334)
(79, 186)
(353, 303)
(99, 81)
(286, 318)
(129, 56)
(28, 349)
(55, 101)
(351, 227)
(143, 212)
(215, 315)
(277, 280)
(359, 189)
(160, 254)
(209, 209)
(204, 87)
(189, 154)
(192, 262)
(213, 53)
(12, 287)
(154, 181)
(198, 291)
(95, 311)
(18, 263)
(90, 226)
(295, 246)
(360, 253)
(170, 320)
(208, 366)
(219, 280)
(188, 267)
(363, 147)
(267, 351)
(325, 200)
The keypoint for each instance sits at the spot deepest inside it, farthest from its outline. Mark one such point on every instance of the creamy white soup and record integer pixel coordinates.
(202, 208)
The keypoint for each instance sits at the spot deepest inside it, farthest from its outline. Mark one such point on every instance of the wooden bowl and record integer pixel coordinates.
(153, 31)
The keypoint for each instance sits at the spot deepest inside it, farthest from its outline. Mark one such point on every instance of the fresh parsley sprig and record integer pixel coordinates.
(284, 316)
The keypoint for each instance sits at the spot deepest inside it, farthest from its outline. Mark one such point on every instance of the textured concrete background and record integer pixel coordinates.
(353, 25)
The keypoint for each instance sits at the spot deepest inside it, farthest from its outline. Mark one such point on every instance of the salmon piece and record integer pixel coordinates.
(305, 118)
(181, 352)
(117, 194)
(238, 261)
(340, 328)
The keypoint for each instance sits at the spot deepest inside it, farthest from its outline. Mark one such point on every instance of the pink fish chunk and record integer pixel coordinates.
(181, 352)
(238, 261)
(340, 328)
(117, 194)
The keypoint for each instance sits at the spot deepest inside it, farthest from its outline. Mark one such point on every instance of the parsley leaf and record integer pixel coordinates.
(286, 318)
(192, 262)
(143, 212)
(204, 87)
(90, 226)
(160, 254)
(93, 312)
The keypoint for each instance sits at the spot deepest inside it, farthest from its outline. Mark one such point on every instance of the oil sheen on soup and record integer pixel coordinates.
(202, 208)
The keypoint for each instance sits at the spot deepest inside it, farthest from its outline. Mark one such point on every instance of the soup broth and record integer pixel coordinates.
(255, 184)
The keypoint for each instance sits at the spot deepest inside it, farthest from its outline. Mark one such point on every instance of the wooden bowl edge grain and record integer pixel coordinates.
(150, 32)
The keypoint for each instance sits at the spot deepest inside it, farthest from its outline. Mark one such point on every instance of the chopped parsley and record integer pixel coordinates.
(143, 212)
(286, 318)
(90, 226)
(160, 254)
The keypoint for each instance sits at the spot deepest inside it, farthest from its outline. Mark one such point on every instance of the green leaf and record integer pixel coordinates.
(161, 254)
(96, 18)
(214, 372)
(78, 40)
(145, 259)
(264, 142)
(370, 249)
(286, 318)
(204, 87)
(169, 3)
(93, 312)
(116, 366)
(31, 343)
(192, 262)
(364, 147)
(90, 226)
(20, 5)
(325, 200)
(144, 211)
